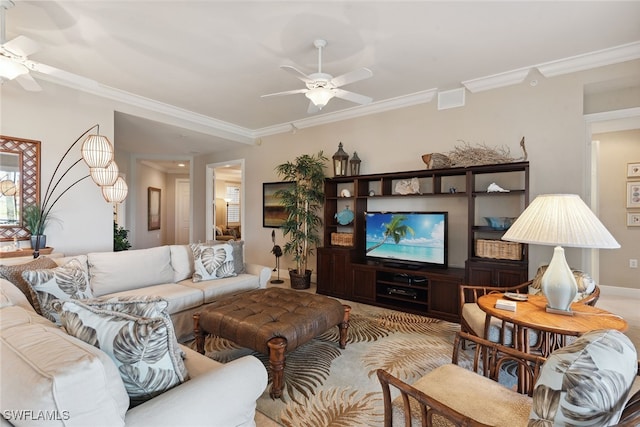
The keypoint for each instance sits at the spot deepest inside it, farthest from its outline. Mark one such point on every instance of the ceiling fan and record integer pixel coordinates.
(13, 55)
(321, 87)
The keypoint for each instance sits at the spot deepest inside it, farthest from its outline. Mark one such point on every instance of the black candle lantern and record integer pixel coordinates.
(355, 164)
(340, 160)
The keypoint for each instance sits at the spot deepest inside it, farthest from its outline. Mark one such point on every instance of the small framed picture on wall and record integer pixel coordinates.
(633, 194)
(633, 219)
(633, 170)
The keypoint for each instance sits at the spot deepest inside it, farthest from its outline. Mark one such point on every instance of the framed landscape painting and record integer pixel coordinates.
(273, 211)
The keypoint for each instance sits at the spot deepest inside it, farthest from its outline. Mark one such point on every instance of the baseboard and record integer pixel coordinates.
(620, 291)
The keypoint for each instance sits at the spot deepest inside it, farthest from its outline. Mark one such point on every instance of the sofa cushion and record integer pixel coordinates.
(181, 261)
(13, 273)
(212, 262)
(120, 271)
(143, 349)
(15, 315)
(11, 295)
(44, 370)
(213, 289)
(179, 297)
(69, 281)
(585, 383)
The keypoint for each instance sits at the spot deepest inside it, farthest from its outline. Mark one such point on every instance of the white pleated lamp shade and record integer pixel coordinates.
(560, 220)
(97, 151)
(105, 176)
(117, 192)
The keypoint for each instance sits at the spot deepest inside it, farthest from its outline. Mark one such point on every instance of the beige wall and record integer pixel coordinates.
(56, 117)
(549, 115)
(616, 150)
(142, 237)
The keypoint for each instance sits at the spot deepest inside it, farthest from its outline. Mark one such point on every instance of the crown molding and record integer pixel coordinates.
(573, 64)
(422, 97)
(191, 120)
(600, 58)
(497, 80)
(231, 132)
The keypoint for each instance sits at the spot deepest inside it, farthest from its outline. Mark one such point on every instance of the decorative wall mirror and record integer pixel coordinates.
(19, 184)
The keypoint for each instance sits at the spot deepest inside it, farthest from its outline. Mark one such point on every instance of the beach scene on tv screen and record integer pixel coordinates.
(416, 237)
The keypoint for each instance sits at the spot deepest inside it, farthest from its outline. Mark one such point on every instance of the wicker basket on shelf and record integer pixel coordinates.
(498, 249)
(342, 239)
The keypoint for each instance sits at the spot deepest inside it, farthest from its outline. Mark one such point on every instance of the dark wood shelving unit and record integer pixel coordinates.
(343, 271)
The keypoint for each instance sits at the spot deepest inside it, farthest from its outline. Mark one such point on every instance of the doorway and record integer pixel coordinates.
(225, 199)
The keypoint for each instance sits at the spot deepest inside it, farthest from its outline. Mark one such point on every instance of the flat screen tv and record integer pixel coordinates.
(407, 239)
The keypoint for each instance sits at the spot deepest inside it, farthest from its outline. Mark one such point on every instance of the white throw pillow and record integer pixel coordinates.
(212, 262)
(142, 348)
(66, 282)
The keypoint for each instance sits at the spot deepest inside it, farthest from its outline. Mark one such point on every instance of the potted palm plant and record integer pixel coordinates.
(35, 220)
(302, 202)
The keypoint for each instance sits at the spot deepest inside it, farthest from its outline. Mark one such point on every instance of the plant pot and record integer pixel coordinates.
(43, 242)
(300, 281)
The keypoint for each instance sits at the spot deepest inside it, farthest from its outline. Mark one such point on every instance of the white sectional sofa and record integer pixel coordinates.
(166, 272)
(49, 377)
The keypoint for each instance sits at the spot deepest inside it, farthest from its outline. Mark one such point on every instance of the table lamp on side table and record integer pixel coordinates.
(560, 220)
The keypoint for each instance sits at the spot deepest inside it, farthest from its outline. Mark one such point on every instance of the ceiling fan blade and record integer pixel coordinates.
(22, 46)
(351, 96)
(288, 92)
(351, 77)
(297, 73)
(28, 83)
(312, 108)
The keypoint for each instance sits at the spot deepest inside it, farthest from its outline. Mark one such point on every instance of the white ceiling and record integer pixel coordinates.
(207, 62)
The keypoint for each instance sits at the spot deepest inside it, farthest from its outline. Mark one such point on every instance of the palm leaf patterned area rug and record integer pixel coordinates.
(326, 386)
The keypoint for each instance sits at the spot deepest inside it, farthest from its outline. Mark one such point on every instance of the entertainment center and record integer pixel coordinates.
(392, 262)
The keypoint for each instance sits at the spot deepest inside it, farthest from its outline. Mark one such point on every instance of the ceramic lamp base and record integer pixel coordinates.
(558, 283)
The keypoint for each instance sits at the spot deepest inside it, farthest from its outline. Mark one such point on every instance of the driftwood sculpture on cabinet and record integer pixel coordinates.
(468, 155)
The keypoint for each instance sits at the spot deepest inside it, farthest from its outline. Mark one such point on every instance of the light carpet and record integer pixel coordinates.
(327, 386)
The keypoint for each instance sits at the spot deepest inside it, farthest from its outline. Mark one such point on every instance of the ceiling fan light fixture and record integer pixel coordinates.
(9, 69)
(320, 96)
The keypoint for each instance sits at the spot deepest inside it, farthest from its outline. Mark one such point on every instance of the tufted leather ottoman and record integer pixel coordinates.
(271, 321)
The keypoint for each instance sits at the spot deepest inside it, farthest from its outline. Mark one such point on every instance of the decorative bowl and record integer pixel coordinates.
(499, 222)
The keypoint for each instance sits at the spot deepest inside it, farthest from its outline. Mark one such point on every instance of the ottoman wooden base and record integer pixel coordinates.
(272, 321)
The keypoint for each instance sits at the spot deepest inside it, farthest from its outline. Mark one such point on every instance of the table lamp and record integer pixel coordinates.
(560, 220)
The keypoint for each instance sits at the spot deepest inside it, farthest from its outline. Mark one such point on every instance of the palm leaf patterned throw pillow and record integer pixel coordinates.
(143, 348)
(66, 282)
(212, 262)
(585, 383)
(140, 306)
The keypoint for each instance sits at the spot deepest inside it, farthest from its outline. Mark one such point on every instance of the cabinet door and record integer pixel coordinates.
(364, 285)
(333, 266)
(480, 274)
(510, 277)
(444, 297)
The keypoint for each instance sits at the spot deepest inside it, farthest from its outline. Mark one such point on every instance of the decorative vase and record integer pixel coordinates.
(300, 281)
(43, 242)
(558, 283)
